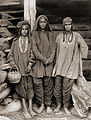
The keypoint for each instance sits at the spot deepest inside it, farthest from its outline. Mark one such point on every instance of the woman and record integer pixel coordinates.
(43, 46)
(69, 46)
(21, 57)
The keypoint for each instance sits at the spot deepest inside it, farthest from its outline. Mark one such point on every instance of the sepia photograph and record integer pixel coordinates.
(45, 59)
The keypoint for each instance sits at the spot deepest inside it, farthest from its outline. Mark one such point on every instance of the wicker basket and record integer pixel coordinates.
(14, 76)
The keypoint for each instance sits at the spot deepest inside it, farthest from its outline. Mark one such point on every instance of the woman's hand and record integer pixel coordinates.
(13, 65)
(28, 69)
(47, 62)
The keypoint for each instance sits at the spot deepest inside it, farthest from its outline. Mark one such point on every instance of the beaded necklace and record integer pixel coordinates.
(20, 44)
(70, 35)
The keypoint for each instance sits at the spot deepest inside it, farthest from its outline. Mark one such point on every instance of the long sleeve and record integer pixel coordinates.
(52, 54)
(57, 49)
(31, 58)
(83, 47)
(36, 52)
(10, 55)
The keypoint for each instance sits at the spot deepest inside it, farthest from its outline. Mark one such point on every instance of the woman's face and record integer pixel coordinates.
(42, 23)
(24, 30)
(67, 26)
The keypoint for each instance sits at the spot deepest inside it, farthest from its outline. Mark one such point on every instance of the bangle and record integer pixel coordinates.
(30, 64)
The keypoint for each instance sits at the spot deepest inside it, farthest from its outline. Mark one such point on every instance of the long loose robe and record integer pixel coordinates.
(70, 48)
(43, 48)
(25, 87)
(68, 56)
(20, 59)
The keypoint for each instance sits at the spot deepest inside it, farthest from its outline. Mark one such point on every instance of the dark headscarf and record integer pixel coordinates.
(37, 27)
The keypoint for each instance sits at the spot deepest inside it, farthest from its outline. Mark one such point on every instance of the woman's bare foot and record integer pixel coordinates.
(67, 111)
(32, 113)
(39, 110)
(25, 110)
(30, 108)
(57, 109)
(26, 114)
(49, 110)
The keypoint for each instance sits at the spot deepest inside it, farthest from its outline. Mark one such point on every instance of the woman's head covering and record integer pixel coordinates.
(22, 23)
(37, 27)
(67, 20)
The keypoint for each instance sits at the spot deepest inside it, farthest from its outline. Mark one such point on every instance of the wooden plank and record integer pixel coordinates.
(89, 55)
(54, 19)
(76, 26)
(88, 41)
(10, 19)
(8, 2)
(13, 12)
(86, 64)
(85, 34)
(10, 7)
(87, 74)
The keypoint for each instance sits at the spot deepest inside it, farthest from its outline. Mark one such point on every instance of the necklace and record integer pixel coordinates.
(70, 37)
(20, 45)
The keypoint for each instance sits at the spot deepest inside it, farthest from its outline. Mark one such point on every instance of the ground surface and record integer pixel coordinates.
(44, 116)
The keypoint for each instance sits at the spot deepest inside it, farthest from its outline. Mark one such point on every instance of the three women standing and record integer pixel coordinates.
(39, 59)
